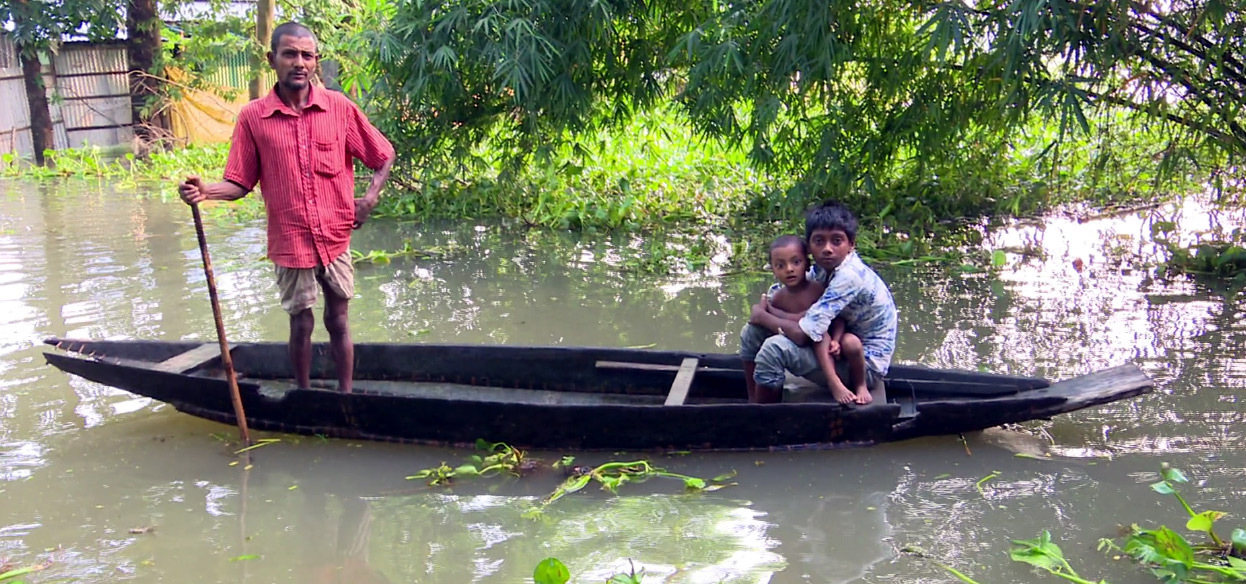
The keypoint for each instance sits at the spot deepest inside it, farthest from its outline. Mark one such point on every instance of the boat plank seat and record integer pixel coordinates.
(190, 360)
(908, 406)
(683, 381)
(657, 367)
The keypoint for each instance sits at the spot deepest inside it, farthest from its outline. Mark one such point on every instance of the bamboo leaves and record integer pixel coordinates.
(836, 95)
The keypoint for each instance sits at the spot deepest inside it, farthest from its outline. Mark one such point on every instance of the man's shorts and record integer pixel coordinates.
(300, 286)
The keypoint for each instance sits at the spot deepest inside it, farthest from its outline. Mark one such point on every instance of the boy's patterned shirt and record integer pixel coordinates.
(857, 293)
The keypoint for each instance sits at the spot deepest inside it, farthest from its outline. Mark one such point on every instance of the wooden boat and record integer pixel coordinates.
(568, 397)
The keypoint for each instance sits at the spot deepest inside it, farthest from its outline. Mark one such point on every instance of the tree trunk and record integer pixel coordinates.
(37, 96)
(142, 25)
(265, 14)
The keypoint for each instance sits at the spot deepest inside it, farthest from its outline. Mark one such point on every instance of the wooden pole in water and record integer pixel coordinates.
(226, 360)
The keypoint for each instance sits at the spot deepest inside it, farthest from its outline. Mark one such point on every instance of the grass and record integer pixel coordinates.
(652, 177)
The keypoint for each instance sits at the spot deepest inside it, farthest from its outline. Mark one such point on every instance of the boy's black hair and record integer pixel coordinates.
(786, 240)
(831, 215)
(293, 29)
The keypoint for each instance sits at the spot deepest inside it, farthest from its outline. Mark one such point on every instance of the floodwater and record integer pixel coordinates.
(82, 465)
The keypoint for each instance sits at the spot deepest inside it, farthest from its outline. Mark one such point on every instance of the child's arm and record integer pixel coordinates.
(835, 334)
(837, 328)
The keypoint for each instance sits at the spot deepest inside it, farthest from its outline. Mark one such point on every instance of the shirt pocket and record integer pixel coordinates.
(328, 156)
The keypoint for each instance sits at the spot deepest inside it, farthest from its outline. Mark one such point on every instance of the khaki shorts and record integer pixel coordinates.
(300, 286)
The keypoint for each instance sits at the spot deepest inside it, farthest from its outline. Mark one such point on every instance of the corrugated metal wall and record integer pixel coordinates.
(94, 89)
(15, 109)
(88, 95)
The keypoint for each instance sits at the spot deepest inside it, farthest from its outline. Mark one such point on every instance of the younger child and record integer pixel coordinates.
(793, 293)
(789, 260)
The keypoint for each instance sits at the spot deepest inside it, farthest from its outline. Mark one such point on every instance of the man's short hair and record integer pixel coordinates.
(293, 29)
(831, 215)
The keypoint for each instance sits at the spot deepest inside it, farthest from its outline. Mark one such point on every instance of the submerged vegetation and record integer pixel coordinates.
(498, 459)
(1164, 552)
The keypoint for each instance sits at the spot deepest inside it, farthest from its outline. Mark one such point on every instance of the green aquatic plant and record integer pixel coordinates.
(1219, 253)
(1044, 554)
(9, 573)
(612, 475)
(382, 257)
(1173, 558)
(1165, 552)
(498, 458)
(552, 571)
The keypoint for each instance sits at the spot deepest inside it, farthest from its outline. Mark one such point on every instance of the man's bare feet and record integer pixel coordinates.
(842, 394)
(863, 396)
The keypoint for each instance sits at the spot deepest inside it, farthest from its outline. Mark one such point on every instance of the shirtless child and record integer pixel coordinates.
(793, 293)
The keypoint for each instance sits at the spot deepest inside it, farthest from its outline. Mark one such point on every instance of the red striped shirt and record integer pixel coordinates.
(303, 166)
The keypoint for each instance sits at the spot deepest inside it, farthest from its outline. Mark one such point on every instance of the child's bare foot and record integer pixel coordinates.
(863, 396)
(842, 394)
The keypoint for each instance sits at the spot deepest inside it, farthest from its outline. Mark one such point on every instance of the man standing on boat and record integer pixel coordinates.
(297, 143)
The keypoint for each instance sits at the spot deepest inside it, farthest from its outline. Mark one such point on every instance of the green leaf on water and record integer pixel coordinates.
(1039, 552)
(1203, 521)
(1162, 488)
(1239, 540)
(1237, 564)
(466, 470)
(551, 571)
(724, 477)
(1174, 475)
(19, 572)
(626, 578)
(959, 575)
(694, 483)
(245, 557)
(1174, 547)
(998, 258)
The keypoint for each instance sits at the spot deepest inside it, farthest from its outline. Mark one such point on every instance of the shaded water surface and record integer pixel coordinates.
(82, 465)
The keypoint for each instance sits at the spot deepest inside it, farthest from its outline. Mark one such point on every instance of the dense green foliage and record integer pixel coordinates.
(931, 110)
(730, 118)
(39, 25)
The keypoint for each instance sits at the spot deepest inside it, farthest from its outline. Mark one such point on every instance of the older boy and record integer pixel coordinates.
(853, 292)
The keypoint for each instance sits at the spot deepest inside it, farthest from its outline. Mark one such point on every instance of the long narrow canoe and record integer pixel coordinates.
(568, 397)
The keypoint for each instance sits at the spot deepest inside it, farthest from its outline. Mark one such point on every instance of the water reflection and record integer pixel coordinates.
(81, 465)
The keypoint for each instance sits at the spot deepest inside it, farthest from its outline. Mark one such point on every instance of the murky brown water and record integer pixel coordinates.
(81, 465)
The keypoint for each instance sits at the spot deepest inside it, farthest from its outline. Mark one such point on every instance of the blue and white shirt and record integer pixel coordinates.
(855, 292)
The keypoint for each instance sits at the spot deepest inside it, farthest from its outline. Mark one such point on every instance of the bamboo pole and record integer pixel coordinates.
(226, 360)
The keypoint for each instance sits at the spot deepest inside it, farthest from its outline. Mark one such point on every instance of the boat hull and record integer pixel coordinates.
(571, 397)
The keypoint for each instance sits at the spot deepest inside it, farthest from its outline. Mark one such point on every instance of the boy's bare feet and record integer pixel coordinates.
(841, 393)
(863, 395)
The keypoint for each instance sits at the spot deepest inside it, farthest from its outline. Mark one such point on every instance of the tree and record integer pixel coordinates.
(265, 14)
(38, 29)
(144, 35)
(846, 95)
